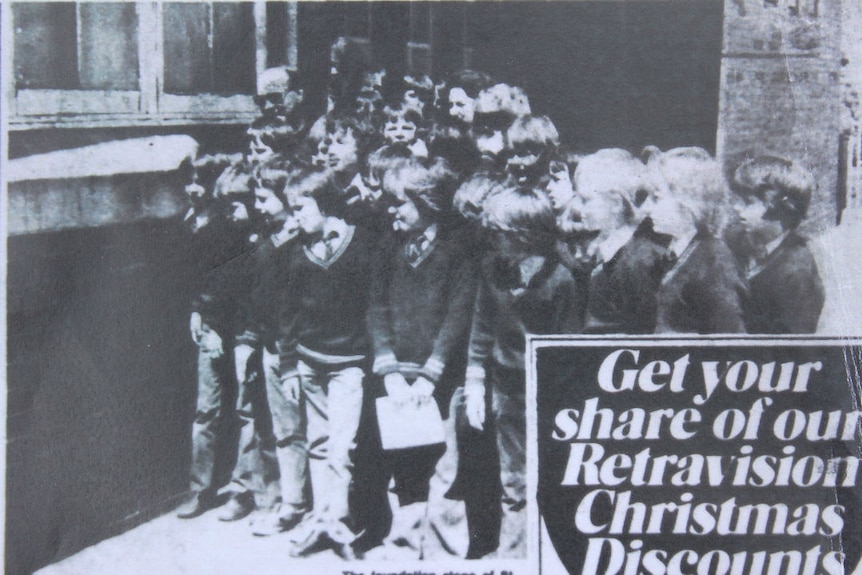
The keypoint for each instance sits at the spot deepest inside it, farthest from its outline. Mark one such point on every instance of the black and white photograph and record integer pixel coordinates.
(332, 286)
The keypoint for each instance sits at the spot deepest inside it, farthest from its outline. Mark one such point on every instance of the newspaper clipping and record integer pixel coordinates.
(432, 288)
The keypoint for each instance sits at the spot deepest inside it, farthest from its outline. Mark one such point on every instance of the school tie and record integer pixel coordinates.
(415, 248)
(327, 244)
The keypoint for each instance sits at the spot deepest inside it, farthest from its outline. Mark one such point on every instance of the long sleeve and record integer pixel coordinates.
(379, 321)
(457, 321)
(481, 333)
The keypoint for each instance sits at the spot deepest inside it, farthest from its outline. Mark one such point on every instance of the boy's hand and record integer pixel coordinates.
(423, 390)
(474, 404)
(397, 388)
(211, 343)
(241, 354)
(196, 326)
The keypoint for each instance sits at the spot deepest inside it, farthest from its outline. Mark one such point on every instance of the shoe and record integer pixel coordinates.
(200, 504)
(270, 523)
(237, 507)
(315, 540)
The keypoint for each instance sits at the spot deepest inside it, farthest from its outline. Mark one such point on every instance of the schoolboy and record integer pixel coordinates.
(785, 291)
(629, 259)
(323, 342)
(702, 291)
(422, 294)
(523, 289)
(214, 241)
(270, 413)
(531, 142)
(402, 127)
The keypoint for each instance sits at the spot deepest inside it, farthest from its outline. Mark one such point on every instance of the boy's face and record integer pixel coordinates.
(752, 215)
(560, 188)
(668, 215)
(266, 202)
(510, 247)
(406, 217)
(490, 143)
(399, 129)
(307, 214)
(340, 150)
(523, 163)
(461, 105)
(258, 150)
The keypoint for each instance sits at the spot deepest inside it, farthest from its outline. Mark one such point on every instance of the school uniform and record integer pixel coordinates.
(510, 304)
(785, 293)
(323, 343)
(702, 292)
(622, 290)
(275, 408)
(422, 295)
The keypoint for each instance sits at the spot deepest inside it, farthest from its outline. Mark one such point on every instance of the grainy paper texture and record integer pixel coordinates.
(614, 244)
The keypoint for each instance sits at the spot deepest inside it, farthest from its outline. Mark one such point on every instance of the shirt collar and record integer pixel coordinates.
(529, 267)
(679, 245)
(611, 245)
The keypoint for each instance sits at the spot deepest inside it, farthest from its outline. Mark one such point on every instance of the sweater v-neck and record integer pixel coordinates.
(327, 263)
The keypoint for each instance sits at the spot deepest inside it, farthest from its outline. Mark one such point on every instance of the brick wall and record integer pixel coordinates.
(781, 89)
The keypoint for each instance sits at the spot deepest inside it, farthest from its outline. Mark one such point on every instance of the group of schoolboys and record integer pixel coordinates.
(405, 247)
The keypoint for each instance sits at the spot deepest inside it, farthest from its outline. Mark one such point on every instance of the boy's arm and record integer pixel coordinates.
(379, 325)
(457, 321)
(481, 344)
(571, 302)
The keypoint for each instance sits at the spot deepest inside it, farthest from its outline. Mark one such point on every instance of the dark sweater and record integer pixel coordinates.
(420, 313)
(323, 306)
(785, 291)
(265, 278)
(703, 292)
(623, 290)
(215, 250)
(550, 304)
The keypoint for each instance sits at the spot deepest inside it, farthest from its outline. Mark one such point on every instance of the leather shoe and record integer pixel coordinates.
(200, 504)
(237, 507)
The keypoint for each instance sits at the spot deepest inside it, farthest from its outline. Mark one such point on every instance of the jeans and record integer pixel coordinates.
(291, 448)
(446, 535)
(254, 468)
(509, 411)
(332, 403)
(214, 373)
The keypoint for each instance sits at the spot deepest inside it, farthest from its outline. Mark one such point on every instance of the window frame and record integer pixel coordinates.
(150, 105)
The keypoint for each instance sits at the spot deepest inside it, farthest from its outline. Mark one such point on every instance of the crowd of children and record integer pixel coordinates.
(403, 245)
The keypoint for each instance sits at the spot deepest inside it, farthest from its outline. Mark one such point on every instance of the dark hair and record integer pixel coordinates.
(525, 212)
(783, 186)
(471, 81)
(366, 136)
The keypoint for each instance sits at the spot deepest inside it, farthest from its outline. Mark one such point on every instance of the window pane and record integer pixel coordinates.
(45, 49)
(276, 34)
(109, 46)
(188, 57)
(202, 59)
(234, 48)
(420, 22)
